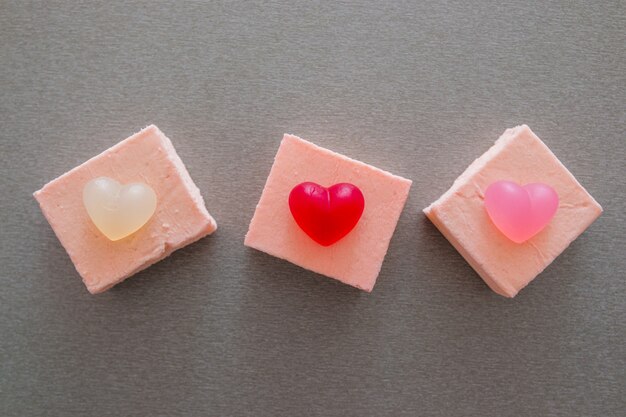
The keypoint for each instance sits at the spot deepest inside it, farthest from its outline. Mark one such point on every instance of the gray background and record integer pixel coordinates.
(417, 88)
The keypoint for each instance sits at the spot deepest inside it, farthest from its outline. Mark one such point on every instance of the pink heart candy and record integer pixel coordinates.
(520, 212)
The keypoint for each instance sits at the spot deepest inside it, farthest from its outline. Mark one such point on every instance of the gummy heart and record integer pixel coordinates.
(118, 210)
(326, 214)
(520, 212)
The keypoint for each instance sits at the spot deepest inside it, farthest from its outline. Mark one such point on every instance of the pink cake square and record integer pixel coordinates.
(507, 267)
(357, 258)
(180, 217)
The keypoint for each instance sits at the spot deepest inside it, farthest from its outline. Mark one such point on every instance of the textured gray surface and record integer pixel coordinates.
(419, 89)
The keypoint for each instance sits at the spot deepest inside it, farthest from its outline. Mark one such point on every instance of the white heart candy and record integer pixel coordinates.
(118, 210)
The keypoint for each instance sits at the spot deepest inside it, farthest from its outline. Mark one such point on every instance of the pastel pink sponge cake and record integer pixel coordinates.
(357, 257)
(520, 157)
(180, 217)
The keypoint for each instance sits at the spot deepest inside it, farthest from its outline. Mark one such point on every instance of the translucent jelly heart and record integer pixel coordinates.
(326, 214)
(520, 212)
(118, 210)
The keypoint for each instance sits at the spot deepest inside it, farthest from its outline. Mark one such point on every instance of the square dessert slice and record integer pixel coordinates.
(507, 267)
(180, 217)
(357, 258)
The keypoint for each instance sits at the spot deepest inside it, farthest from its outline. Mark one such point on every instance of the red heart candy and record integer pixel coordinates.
(326, 214)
